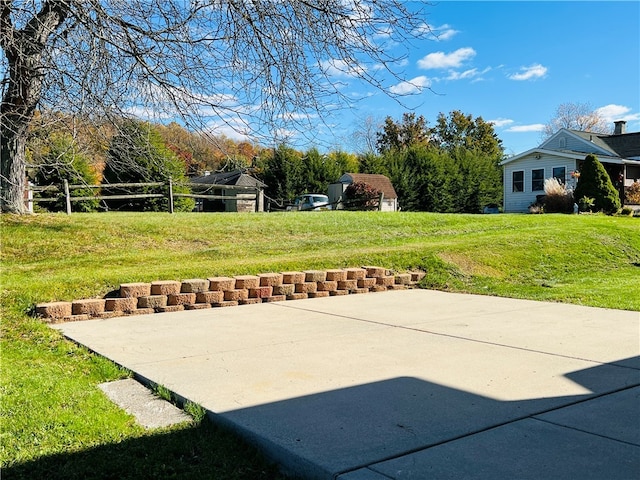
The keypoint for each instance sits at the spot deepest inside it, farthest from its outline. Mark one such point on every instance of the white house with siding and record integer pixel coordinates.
(561, 156)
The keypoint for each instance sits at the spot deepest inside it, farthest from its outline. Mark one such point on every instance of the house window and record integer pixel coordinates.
(537, 179)
(560, 174)
(517, 180)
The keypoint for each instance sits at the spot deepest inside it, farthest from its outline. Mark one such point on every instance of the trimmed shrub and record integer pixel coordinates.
(595, 183)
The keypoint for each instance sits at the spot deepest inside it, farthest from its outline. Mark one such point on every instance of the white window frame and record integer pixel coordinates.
(541, 189)
(564, 180)
(513, 190)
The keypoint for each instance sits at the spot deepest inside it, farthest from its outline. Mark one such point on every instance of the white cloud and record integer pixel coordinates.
(411, 87)
(441, 33)
(535, 127)
(501, 122)
(531, 72)
(446, 60)
(612, 112)
(467, 74)
(340, 68)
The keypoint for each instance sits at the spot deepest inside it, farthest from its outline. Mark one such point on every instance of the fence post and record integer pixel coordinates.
(67, 196)
(170, 196)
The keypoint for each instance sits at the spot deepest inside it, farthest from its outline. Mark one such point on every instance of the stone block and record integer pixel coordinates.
(222, 283)
(378, 288)
(297, 296)
(355, 273)
(90, 306)
(54, 310)
(366, 282)
(210, 297)
(194, 285)
(229, 303)
(250, 301)
(375, 272)
(143, 311)
(335, 275)
(135, 290)
(360, 290)
(274, 298)
(165, 287)
(170, 308)
(403, 279)
(327, 286)
(260, 292)
(110, 314)
(337, 293)
(293, 277)
(350, 284)
(306, 287)
(247, 281)
(77, 318)
(126, 304)
(197, 306)
(285, 289)
(397, 287)
(417, 276)
(181, 299)
(318, 294)
(236, 294)
(315, 275)
(386, 280)
(153, 301)
(270, 279)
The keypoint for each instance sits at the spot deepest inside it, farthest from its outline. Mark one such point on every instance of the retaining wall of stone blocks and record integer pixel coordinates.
(197, 293)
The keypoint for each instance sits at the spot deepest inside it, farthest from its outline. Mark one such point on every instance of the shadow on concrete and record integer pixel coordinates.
(332, 433)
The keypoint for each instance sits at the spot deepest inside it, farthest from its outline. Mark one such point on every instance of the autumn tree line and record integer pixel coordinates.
(450, 166)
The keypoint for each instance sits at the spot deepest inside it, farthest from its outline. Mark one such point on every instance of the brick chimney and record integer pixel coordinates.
(620, 127)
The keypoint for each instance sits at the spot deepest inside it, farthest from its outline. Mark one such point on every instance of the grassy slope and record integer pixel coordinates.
(50, 405)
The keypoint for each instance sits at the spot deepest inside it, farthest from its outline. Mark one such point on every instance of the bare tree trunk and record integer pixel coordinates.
(23, 49)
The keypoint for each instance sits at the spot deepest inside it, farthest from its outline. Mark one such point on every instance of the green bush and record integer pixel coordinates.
(595, 183)
(586, 204)
(61, 160)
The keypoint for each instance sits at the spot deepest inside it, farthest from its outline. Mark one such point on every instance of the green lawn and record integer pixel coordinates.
(57, 424)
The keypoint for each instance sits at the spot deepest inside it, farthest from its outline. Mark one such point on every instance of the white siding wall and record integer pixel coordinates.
(520, 201)
(572, 143)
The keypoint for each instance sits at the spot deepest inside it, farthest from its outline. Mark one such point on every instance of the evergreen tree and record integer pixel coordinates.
(595, 183)
(138, 155)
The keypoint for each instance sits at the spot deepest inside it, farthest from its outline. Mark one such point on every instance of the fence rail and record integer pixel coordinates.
(65, 191)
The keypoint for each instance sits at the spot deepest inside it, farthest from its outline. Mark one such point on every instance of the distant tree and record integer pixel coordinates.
(458, 130)
(365, 137)
(138, 155)
(594, 182)
(576, 116)
(410, 131)
(282, 172)
(61, 161)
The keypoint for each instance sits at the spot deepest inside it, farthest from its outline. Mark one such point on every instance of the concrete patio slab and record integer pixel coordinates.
(343, 387)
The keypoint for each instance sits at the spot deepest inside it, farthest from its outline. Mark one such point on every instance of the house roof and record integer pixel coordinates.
(236, 177)
(622, 148)
(377, 181)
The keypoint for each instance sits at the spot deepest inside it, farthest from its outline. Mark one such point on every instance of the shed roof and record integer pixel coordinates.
(377, 181)
(236, 177)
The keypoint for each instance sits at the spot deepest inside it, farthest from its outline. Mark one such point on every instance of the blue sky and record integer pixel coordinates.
(512, 63)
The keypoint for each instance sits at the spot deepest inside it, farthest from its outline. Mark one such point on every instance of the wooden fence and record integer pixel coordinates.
(164, 189)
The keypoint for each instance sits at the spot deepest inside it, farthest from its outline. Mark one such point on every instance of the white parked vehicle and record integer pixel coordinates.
(311, 201)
